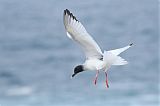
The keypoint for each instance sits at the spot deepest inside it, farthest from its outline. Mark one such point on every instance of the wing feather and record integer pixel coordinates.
(120, 50)
(77, 32)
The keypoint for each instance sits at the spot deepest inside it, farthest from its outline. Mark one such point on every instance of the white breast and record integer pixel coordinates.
(94, 64)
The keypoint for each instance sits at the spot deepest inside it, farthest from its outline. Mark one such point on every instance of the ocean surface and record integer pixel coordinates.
(37, 59)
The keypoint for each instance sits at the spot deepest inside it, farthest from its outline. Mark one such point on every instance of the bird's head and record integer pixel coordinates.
(78, 69)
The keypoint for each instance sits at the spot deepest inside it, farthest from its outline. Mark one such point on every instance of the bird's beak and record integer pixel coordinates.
(73, 75)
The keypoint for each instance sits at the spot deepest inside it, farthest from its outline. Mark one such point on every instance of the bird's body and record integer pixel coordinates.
(94, 64)
(109, 58)
(95, 58)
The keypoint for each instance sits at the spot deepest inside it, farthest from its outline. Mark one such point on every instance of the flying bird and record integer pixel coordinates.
(95, 58)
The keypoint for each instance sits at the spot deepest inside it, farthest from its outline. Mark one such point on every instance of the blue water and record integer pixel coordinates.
(37, 58)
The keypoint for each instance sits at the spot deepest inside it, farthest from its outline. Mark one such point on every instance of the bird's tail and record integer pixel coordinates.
(120, 61)
(112, 59)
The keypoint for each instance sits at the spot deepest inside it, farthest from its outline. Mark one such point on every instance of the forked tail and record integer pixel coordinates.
(112, 59)
(120, 61)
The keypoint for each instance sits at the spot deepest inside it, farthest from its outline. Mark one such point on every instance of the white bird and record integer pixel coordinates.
(95, 58)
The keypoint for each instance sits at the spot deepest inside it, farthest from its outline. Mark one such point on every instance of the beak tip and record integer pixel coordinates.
(73, 75)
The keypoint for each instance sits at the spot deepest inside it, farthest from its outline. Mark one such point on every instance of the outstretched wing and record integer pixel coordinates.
(78, 33)
(120, 50)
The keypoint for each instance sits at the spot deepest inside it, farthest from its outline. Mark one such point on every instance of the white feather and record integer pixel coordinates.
(69, 35)
(77, 32)
(112, 59)
(120, 50)
(120, 61)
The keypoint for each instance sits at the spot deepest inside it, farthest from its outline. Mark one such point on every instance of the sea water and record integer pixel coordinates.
(37, 59)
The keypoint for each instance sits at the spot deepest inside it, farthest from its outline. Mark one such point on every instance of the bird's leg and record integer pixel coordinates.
(107, 80)
(95, 81)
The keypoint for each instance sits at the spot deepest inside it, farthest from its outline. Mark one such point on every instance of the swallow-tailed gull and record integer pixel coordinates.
(95, 58)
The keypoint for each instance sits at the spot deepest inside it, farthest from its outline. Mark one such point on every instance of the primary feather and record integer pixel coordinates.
(77, 32)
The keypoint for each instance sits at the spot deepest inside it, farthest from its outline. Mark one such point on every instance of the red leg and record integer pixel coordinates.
(95, 81)
(107, 80)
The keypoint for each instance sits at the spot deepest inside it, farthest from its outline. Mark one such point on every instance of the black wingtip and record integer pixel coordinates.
(66, 11)
(131, 44)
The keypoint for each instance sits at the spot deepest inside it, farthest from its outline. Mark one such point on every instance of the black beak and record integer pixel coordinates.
(73, 75)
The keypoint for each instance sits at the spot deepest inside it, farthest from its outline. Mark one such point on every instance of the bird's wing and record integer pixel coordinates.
(78, 33)
(120, 50)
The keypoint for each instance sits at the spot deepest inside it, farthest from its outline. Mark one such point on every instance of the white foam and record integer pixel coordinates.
(20, 91)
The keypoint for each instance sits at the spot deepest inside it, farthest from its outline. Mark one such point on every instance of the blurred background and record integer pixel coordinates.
(37, 58)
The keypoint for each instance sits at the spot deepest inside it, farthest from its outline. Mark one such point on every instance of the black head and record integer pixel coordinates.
(78, 69)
